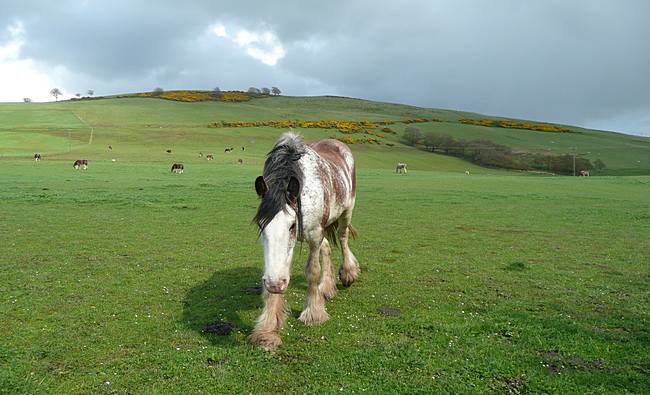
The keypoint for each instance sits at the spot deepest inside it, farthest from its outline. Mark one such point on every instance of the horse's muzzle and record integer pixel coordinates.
(276, 287)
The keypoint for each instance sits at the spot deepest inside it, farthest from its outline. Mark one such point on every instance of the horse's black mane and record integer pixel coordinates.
(281, 164)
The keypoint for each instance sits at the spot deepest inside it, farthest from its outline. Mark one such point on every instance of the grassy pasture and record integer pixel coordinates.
(504, 283)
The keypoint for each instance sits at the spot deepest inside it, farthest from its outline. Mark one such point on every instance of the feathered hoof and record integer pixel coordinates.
(328, 291)
(349, 276)
(311, 316)
(268, 341)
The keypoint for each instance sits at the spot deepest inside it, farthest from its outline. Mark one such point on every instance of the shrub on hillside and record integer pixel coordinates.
(487, 153)
(541, 127)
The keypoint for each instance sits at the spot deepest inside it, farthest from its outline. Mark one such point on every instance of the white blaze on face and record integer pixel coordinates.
(278, 239)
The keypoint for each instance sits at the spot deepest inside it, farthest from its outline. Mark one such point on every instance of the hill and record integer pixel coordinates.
(65, 129)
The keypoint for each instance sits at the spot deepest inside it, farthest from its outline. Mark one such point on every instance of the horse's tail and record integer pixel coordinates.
(332, 232)
(353, 231)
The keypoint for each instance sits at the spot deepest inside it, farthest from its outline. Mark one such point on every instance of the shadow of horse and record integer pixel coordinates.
(216, 305)
(219, 301)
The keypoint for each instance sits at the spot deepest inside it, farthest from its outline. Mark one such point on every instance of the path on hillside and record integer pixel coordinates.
(92, 129)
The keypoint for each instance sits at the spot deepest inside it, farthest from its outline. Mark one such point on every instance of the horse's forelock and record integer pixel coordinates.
(282, 163)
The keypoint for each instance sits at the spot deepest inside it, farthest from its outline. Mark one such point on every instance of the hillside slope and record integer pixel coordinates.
(143, 128)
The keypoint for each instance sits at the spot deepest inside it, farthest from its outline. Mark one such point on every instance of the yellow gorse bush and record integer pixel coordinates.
(541, 127)
(195, 96)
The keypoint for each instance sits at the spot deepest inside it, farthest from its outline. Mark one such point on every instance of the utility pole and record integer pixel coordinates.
(574, 161)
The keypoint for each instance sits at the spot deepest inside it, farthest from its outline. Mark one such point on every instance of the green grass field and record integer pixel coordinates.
(505, 283)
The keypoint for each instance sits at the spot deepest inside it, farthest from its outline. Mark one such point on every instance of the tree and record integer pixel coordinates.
(56, 92)
(27, 100)
(266, 91)
(412, 135)
(216, 93)
(275, 90)
(431, 141)
(158, 91)
(78, 95)
(90, 92)
(254, 90)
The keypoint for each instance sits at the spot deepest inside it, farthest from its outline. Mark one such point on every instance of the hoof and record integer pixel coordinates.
(348, 276)
(268, 341)
(329, 291)
(311, 316)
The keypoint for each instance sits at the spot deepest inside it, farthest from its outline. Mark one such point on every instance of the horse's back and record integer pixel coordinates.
(335, 152)
(340, 174)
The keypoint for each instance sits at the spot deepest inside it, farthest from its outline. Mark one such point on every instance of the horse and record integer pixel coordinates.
(466, 172)
(80, 163)
(584, 173)
(209, 157)
(400, 168)
(168, 151)
(37, 157)
(240, 161)
(177, 168)
(307, 193)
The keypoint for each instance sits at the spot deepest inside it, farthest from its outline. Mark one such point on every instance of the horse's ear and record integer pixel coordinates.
(293, 189)
(260, 186)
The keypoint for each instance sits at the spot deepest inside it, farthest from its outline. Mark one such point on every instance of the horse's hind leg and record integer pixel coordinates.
(314, 312)
(350, 268)
(327, 284)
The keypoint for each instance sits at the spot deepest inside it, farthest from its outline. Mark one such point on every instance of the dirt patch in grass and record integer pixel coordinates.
(510, 385)
(214, 363)
(389, 311)
(556, 362)
(221, 328)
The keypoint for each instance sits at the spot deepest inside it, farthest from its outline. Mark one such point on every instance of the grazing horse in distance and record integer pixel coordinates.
(400, 168)
(307, 193)
(240, 161)
(80, 163)
(37, 157)
(466, 172)
(209, 157)
(110, 148)
(200, 154)
(243, 149)
(584, 173)
(228, 149)
(168, 151)
(177, 168)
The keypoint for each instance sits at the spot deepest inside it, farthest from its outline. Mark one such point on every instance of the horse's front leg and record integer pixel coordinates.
(314, 312)
(267, 330)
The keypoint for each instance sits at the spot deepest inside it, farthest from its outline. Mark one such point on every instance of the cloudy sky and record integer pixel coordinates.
(584, 62)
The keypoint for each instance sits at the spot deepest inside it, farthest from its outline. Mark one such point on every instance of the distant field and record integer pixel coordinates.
(504, 283)
(144, 126)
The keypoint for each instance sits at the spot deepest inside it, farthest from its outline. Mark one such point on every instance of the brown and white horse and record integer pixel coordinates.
(210, 157)
(307, 193)
(400, 168)
(80, 163)
(37, 157)
(177, 168)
